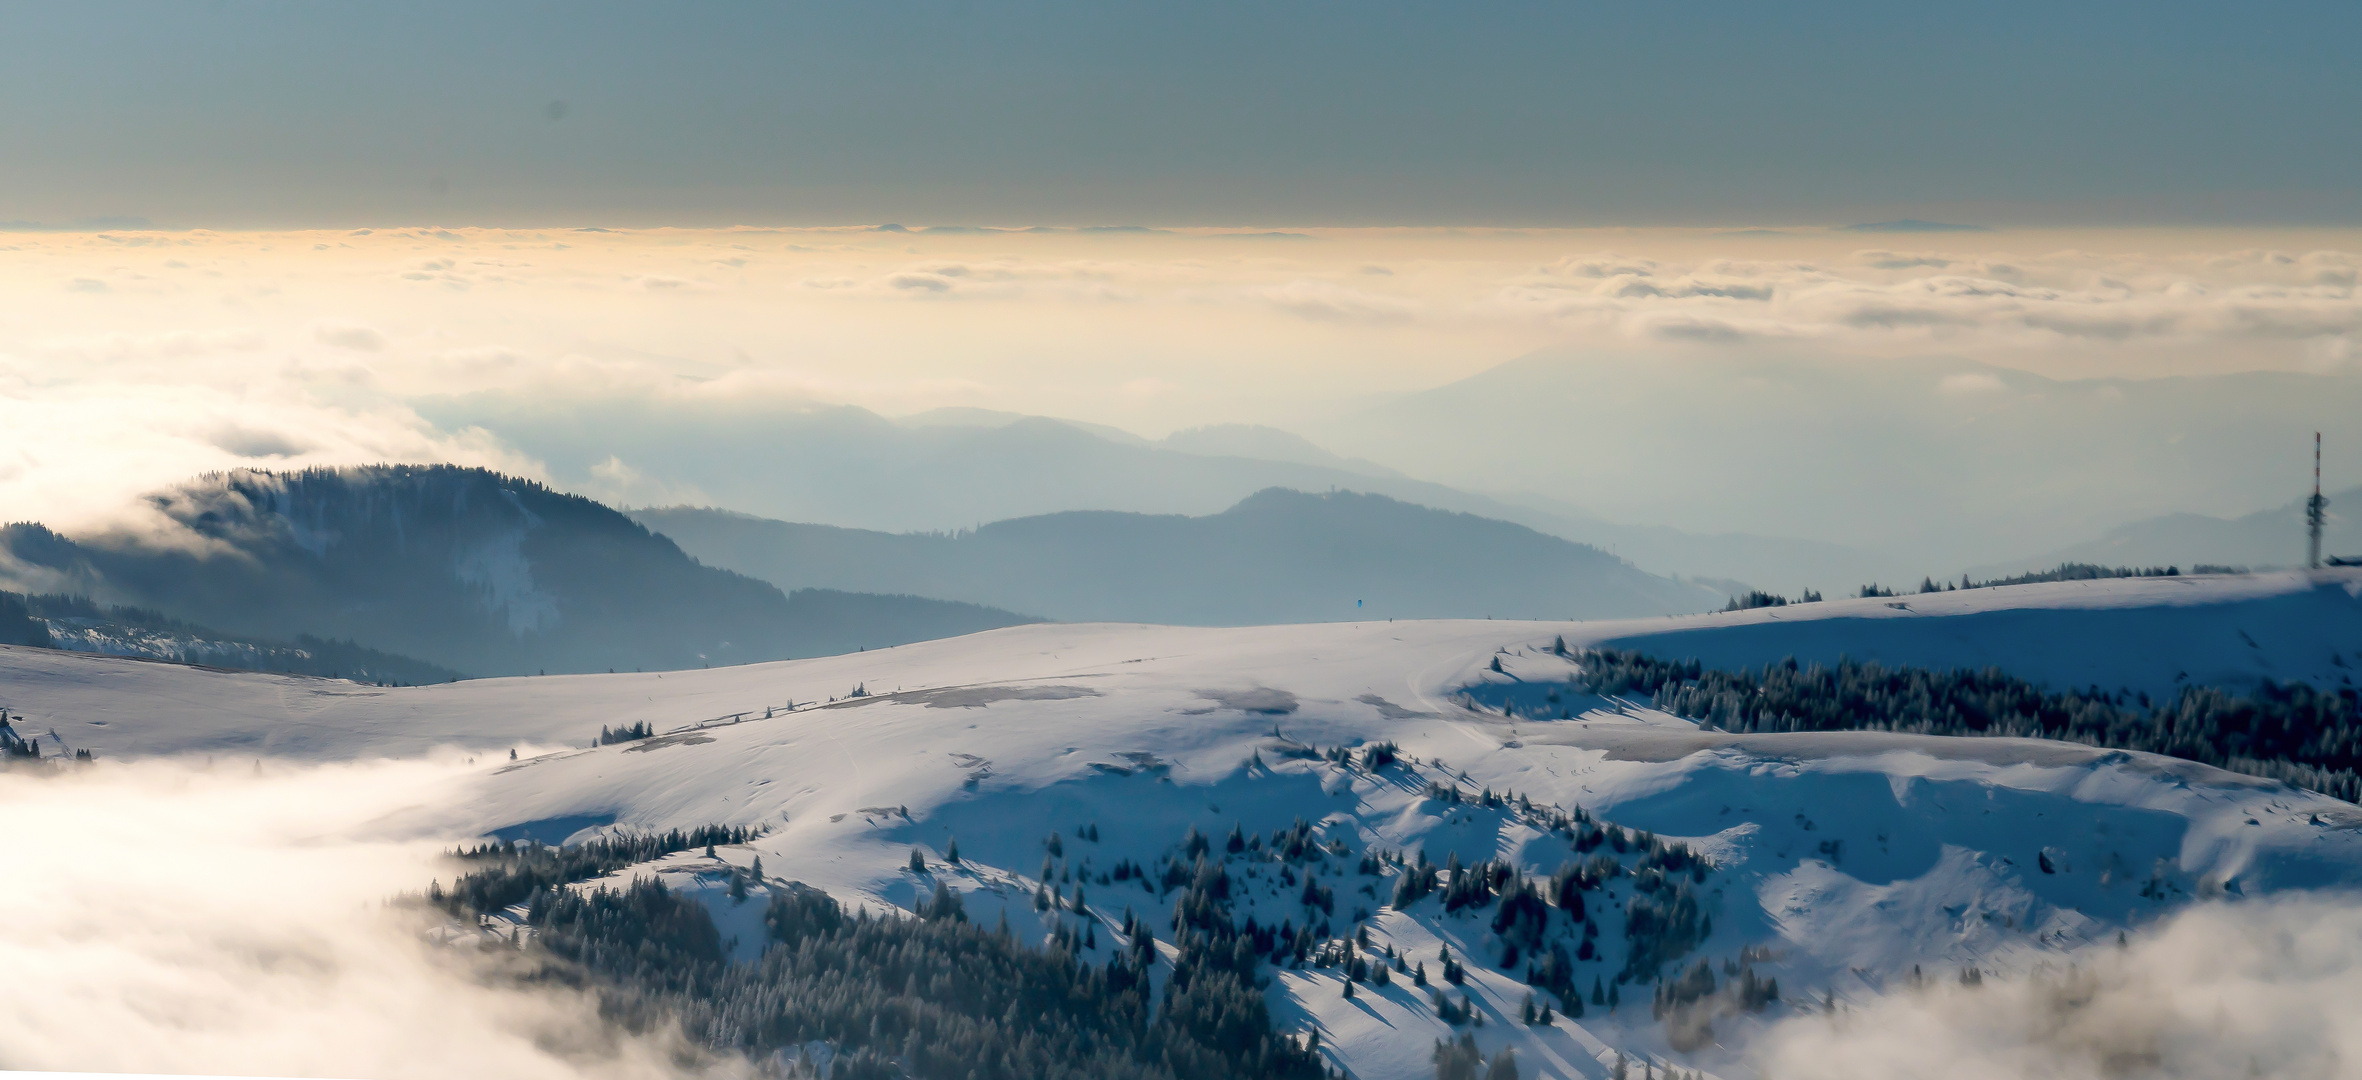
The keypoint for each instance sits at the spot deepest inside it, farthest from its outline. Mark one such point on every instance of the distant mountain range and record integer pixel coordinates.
(473, 571)
(1973, 460)
(959, 468)
(2264, 539)
(1279, 556)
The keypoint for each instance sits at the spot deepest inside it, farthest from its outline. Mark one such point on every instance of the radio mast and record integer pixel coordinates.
(2316, 510)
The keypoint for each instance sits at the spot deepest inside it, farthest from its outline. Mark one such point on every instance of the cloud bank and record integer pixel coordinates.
(229, 919)
(1958, 300)
(155, 355)
(2257, 988)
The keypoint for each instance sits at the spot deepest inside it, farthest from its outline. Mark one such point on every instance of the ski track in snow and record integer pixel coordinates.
(1853, 857)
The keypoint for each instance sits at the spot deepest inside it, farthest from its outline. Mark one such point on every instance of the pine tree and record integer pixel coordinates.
(1503, 1067)
(1457, 1060)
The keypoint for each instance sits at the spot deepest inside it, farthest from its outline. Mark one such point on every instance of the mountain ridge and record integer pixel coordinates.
(2264, 539)
(1975, 458)
(1276, 556)
(951, 469)
(460, 567)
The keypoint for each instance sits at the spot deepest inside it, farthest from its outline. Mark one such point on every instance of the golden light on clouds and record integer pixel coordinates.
(142, 357)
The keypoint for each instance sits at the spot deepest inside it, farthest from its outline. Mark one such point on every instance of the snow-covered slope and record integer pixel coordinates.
(2143, 634)
(1842, 862)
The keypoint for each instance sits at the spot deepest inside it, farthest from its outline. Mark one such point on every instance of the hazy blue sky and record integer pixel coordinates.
(239, 113)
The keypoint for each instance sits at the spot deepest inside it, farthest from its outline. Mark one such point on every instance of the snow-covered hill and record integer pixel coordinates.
(2142, 634)
(1841, 863)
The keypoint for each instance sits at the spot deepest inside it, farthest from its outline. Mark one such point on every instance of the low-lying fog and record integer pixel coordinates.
(230, 918)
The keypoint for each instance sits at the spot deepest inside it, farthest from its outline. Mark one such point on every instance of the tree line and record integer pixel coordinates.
(2296, 733)
(2067, 571)
(933, 994)
(78, 623)
(925, 995)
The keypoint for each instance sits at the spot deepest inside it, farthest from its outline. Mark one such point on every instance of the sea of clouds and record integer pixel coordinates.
(151, 356)
(2257, 988)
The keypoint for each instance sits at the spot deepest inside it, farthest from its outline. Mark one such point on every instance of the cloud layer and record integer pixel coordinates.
(2264, 988)
(1959, 300)
(229, 919)
(151, 356)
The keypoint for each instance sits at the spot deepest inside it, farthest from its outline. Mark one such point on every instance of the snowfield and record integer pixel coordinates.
(1841, 862)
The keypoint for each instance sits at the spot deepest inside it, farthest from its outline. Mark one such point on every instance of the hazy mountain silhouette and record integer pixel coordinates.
(2266, 538)
(478, 572)
(957, 468)
(1279, 556)
(1973, 461)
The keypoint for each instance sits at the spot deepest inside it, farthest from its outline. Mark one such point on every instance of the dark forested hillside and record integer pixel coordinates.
(896, 996)
(464, 568)
(2293, 732)
(1279, 556)
(930, 993)
(77, 624)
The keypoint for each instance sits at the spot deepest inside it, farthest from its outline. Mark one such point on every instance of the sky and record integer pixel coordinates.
(1765, 266)
(247, 114)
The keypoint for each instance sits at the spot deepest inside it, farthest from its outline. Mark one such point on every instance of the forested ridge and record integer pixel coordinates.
(931, 995)
(2293, 732)
(78, 624)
